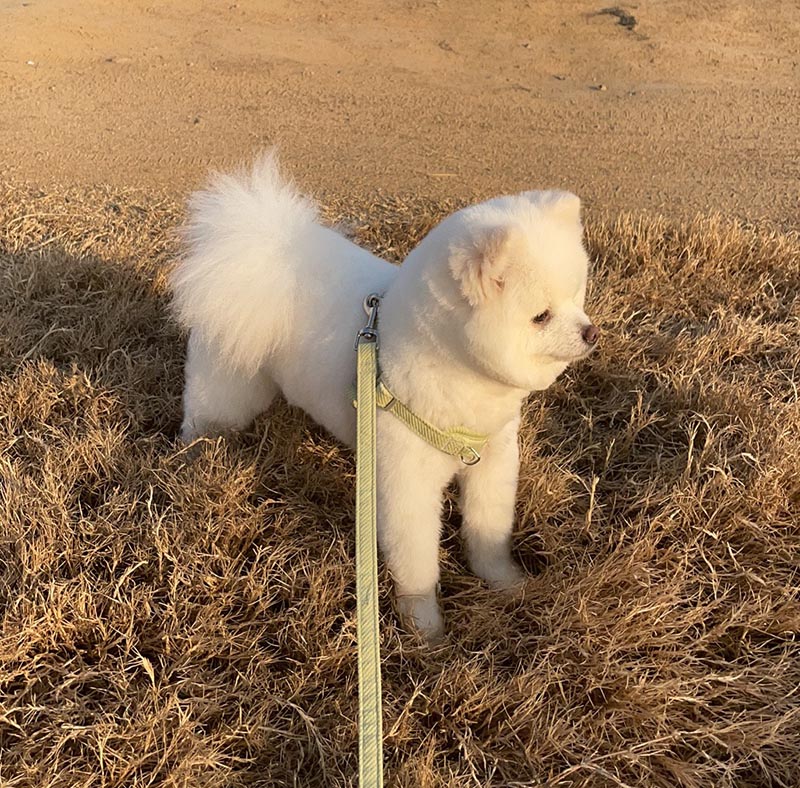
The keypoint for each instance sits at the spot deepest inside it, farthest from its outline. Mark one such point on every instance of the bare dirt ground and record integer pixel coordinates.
(668, 107)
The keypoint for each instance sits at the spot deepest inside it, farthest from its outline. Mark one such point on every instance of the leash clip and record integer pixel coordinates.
(370, 331)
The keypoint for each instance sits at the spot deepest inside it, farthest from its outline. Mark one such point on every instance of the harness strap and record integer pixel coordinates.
(456, 441)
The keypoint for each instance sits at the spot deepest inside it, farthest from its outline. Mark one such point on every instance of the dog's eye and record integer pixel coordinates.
(542, 317)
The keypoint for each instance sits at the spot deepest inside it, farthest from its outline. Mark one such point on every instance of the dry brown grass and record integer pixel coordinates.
(177, 623)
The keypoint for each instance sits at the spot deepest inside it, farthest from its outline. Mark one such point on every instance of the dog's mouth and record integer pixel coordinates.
(574, 357)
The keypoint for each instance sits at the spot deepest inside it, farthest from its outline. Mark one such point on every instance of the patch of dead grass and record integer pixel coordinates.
(176, 623)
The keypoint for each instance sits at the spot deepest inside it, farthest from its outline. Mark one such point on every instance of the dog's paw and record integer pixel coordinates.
(423, 614)
(193, 429)
(502, 573)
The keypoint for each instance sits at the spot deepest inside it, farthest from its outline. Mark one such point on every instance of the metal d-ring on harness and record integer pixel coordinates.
(372, 393)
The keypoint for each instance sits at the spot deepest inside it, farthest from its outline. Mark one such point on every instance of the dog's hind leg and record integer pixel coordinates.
(218, 398)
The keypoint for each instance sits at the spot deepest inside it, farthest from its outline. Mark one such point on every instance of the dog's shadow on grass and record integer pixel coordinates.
(106, 319)
(91, 374)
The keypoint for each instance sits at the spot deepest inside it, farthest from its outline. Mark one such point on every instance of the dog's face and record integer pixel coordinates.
(522, 269)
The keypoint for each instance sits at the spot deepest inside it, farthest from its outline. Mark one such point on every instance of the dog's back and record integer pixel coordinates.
(268, 291)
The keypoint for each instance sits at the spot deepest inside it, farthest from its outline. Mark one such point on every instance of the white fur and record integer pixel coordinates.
(273, 301)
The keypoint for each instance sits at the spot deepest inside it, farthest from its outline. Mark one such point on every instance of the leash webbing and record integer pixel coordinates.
(370, 724)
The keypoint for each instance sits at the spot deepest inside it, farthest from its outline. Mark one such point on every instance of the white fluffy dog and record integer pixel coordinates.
(487, 308)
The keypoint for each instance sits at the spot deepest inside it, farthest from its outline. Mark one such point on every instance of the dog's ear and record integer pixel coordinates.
(478, 264)
(560, 205)
(564, 205)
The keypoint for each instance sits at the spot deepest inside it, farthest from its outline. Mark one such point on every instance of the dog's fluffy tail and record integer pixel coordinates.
(244, 241)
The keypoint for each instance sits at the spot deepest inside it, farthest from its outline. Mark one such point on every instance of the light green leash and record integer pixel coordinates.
(370, 724)
(372, 393)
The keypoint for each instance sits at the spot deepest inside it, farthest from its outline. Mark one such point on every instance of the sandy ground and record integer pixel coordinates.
(672, 107)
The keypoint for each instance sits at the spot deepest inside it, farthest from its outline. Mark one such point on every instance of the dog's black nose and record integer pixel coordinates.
(591, 334)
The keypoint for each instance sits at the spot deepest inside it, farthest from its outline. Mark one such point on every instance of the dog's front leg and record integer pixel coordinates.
(488, 494)
(411, 479)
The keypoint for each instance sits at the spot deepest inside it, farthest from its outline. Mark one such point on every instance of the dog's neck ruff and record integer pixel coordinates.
(455, 441)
